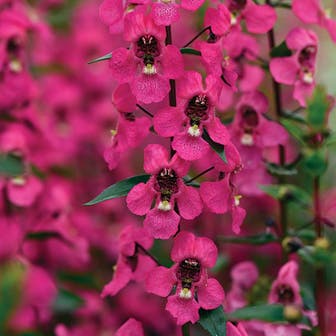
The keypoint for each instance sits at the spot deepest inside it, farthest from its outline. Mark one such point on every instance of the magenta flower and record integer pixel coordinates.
(130, 264)
(286, 289)
(194, 290)
(250, 126)
(130, 131)
(148, 65)
(131, 327)
(165, 187)
(311, 11)
(167, 12)
(194, 113)
(233, 330)
(259, 18)
(298, 69)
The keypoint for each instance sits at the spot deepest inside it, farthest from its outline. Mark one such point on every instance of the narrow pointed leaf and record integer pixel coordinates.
(102, 58)
(190, 51)
(214, 321)
(218, 148)
(260, 239)
(67, 302)
(119, 189)
(278, 170)
(281, 50)
(265, 312)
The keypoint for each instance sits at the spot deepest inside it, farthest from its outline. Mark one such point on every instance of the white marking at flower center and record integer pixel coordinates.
(19, 181)
(185, 293)
(164, 206)
(308, 77)
(194, 131)
(149, 69)
(233, 19)
(247, 139)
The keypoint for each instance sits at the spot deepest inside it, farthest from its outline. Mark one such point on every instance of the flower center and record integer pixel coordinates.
(189, 271)
(197, 109)
(285, 294)
(250, 121)
(237, 5)
(166, 185)
(147, 47)
(307, 55)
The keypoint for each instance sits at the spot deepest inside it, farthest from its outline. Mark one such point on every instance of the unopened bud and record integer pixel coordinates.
(292, 313)
(292, 244)
(322, 243)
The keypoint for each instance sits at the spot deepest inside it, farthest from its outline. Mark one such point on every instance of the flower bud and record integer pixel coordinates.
(322, 243)
(292, 313)
(292, 244)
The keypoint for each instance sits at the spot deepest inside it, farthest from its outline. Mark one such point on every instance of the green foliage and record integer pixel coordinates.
(190, 51)
(119, 189)
(214, 321)
(11, 278)
(67, 302)
(102, 58)
(259, 239)
(218, 148)
(314, 161)
(281, 50)
(287, 192)
(278, 170)
(317, 109)
(11, 165)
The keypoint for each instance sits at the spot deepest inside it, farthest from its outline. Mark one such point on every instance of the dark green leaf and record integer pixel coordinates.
(218, 148)
(331, 139)
(278, 170)
(314, 162)
(294, 116)
(67, 302)
(11, 165)
(265, 312)
(102, 58)
(42, 235)
(317, 109)
(214, 321)
(287, 192)
(86, 280)
(281, 50)
(192, 183)
(260, 239)
(190, 51)
(119, 189)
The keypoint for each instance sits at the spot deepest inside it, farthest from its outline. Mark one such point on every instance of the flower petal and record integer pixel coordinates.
(211, 295)
(184, 310)
(189, 203)
(160, 281)
(139, 199)
(156, 157)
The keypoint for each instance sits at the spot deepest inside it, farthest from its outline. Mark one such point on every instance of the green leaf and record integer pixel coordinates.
(265, 312)
(119, 189)
(281, 50)
(214, 321)
(259, 239)
(11, 279)
(278, 170)
(11, 165)
(287, 192)
(43, 235)
(331, 139)
(294, 130)
(218, 148)
(314, 162)
(317, 109)
(190, 51)
(67, 302)
(102, 58)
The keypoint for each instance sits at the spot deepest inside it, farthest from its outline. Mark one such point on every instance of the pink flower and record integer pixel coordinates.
(130, 264)
(233, 330)
(167, 12)
(148, 64)
(194, 290)
(194, 113)
(259, 18)
(165, 187)
(311, 11)
(130, 132)
(131, 327)
(251, 128)
(298, 69)
(286, 289)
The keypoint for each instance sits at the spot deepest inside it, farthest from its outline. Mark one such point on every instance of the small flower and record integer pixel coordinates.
(129, 328)
(298, 69)
(311, 11)
(130, 264)
(194, 113)
(148, 65)
(188, 278)
(165, 187)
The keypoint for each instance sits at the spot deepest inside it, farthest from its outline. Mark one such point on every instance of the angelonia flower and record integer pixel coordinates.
(187, 280)
(165, 186)
(148, 64)
(298, 69)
